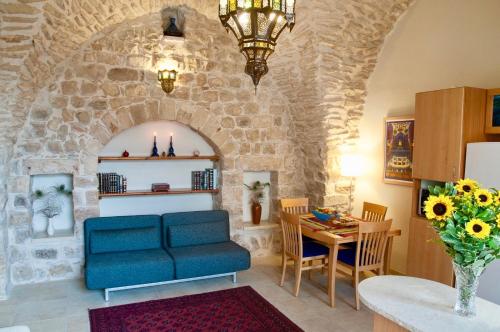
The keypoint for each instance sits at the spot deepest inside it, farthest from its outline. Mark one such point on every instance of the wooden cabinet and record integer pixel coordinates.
(445, 121)
(427, 258)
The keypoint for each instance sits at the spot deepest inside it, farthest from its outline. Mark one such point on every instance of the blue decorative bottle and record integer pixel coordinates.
(171, 152)
(155, 148)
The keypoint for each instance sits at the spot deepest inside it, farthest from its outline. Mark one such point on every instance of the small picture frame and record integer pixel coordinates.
(399, 134)
(492, 125)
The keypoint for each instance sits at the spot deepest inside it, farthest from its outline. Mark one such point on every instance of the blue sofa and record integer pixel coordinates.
(140, 251)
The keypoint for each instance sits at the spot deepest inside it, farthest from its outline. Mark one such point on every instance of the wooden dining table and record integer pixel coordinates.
(334, 241)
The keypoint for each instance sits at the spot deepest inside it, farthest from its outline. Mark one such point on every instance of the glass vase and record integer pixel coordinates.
(467, 282)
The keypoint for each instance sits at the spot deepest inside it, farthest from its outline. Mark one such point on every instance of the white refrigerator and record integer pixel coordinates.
(483, 165)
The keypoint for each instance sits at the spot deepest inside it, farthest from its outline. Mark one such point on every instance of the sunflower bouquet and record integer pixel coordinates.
(467, 219)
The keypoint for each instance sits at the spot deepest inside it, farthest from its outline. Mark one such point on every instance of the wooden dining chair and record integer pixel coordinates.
(369, 253)
(298, 251)
(373, 212)
(295, 205)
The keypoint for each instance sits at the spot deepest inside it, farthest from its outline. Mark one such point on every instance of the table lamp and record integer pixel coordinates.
(351, 166)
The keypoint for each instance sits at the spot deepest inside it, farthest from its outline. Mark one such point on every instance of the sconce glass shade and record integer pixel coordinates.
(167, 79)
(257, 24)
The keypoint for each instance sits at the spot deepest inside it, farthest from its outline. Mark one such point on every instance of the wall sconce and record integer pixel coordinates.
(167, 79)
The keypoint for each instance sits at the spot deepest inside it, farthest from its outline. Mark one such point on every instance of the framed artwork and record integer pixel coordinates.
(493, 112)
(398, 150)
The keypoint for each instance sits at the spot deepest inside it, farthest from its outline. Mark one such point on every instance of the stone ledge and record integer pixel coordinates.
(264, 224)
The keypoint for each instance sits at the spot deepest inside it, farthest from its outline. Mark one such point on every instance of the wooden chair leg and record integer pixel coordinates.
(381, 271)
(298, 273)
(283, 272)
(353, 281)
(356, 283)
(309, 273)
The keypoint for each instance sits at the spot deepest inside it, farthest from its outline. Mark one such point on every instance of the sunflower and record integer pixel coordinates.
(466, 186)
(483, 197)
(478, 229)
(497, 199)
(439, 207)
(498, 220)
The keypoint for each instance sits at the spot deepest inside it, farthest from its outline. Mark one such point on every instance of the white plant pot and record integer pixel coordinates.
(50, 227)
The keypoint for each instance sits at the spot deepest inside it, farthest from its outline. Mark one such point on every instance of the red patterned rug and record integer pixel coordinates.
(238, 309)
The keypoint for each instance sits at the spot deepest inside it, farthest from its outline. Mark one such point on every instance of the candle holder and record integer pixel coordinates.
(154, 153)
(171, 152)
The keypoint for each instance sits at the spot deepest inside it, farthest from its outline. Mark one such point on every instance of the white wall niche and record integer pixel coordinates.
(138, 141)
(64, 222)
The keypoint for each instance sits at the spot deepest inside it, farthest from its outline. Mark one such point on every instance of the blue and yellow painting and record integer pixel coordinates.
(399, 150)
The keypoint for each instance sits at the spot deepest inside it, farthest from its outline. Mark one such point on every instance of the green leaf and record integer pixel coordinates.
(448, 238)
(486, 215)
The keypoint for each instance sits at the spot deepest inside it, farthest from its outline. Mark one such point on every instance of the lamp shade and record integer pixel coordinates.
(351, 165)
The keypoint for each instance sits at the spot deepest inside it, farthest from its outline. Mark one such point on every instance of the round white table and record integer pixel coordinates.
(413, 304)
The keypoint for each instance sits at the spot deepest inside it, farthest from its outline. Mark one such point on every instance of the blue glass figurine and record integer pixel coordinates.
(171, 152)
(155, 148)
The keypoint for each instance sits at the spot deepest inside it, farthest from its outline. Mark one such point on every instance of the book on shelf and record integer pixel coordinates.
(204, 180)
(160, 187)
(111, 183)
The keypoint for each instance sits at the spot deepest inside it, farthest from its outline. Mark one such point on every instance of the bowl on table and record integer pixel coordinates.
(324, 214)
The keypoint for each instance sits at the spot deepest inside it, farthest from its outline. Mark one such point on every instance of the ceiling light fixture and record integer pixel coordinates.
(257, 24)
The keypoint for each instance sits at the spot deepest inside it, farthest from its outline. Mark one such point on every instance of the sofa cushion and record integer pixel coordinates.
(122, 223)
(188, 218)
(198, 234)
(116, 240)
(209, 259)
(127, 268)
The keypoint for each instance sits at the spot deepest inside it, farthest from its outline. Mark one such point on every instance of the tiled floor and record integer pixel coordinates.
(63, 305)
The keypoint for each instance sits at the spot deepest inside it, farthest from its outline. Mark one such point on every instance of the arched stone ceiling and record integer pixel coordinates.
(322, 66)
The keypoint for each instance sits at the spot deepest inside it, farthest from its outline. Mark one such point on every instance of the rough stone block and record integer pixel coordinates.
(60, 270)
(45, 254)
(123, 74)
(22, 273)
(92, 72)
(20, 201)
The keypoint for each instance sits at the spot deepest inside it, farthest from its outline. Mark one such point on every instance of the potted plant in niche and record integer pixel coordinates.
(256, 198)
(51, 204)
(467, 219)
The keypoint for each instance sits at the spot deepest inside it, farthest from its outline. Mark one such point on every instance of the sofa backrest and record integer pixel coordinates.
(195, 228)
(114, 234)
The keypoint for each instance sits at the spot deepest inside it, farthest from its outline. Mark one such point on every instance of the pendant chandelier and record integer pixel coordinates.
(257, 24)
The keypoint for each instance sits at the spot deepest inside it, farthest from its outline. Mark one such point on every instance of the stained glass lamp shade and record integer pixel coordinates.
(257, 24)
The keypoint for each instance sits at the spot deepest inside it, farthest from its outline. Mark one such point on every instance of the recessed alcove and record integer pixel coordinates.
(141, 174)
(63, 222)
(249, 178)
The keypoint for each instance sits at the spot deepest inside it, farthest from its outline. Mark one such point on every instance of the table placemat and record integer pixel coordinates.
(315, 225)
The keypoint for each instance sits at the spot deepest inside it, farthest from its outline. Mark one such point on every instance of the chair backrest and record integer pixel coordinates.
(372, 240)
(295, 205)
(292, 234)
(373, 212)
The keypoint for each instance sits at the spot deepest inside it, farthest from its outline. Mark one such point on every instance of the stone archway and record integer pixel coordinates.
(110, 85)
(318, 81)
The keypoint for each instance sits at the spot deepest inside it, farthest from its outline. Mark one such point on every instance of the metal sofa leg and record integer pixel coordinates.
(234, 277)
(106, 295)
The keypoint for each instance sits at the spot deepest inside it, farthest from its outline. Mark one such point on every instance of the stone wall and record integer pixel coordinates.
(111, 85)
(76, 73)
(322, 68)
